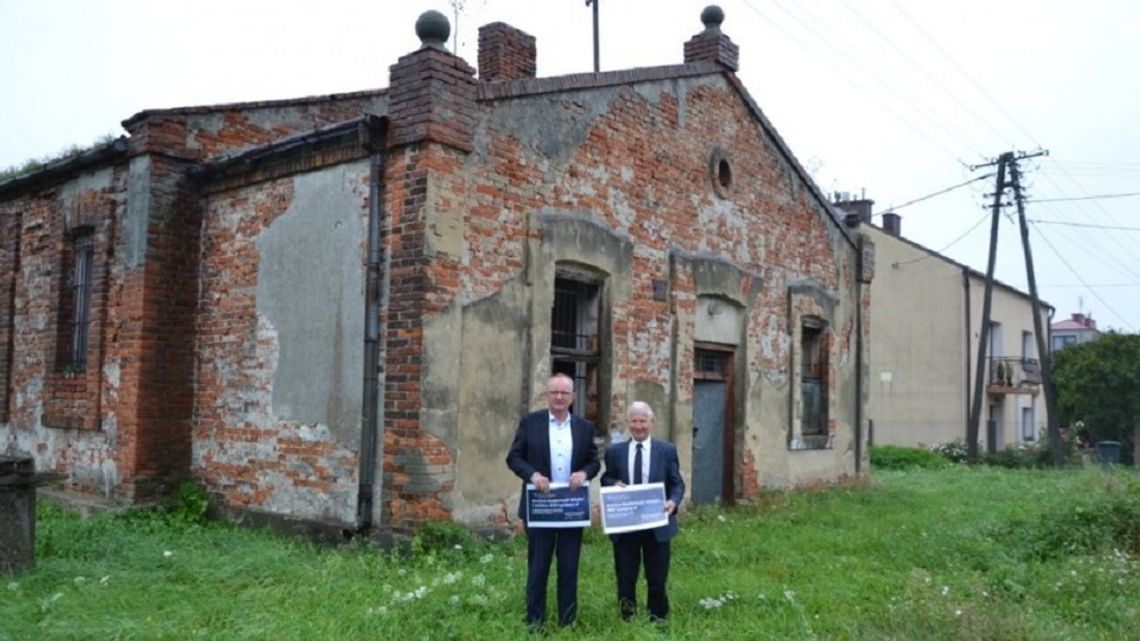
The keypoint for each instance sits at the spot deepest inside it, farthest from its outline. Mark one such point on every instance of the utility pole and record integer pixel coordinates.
(1043, 356)
(1008, 161)
(597, 64)
(975, 418)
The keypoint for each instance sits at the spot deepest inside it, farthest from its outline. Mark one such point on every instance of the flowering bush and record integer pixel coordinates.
(954, 450)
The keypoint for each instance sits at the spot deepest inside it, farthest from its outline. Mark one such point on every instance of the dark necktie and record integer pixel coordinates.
(637, 466)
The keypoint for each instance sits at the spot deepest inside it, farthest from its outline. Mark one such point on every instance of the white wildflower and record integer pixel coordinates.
(167, 553)
(451, 577)
(710, 603)
(957, 613)
(478, 599)
(945, 590)
(458, 547)
(453, 599)
(13, 586)
(79, 580)
(487, 558)
(790, 595)
(387, 587)
(401, 571)
(720, 517)
(478, 580)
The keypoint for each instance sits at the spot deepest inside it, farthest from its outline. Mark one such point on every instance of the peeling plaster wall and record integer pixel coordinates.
(280, 349)
(632, 164)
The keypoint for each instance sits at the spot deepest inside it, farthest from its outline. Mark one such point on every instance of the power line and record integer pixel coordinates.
(1088, 225)
(910, 58)
(885, 104)
(937, 193)
(1092, 291)
(1096, 197)
(947, 246)
(1100, 285)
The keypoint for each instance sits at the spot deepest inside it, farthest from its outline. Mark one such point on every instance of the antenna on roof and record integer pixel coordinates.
(597, 66)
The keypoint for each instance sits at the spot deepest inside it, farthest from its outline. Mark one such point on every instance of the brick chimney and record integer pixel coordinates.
(892, 223)
(711, 44)
(431, 92)
(506, 53)
(1084, 321)
(860, 207)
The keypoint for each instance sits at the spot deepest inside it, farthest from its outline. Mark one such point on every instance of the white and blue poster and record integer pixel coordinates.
(560, 507)
(633, 507)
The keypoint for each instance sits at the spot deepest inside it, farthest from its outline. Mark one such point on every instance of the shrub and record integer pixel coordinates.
(1102, 521)
(1020, 457)
(953, 451)
(193, 500)
(437, 536)
(891, 457)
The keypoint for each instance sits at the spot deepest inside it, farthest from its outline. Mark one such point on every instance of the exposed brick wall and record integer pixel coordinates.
(67, 420)
(248, 455)
(164, 343)
(432, 96)
(209, 133)
(641, 170)
(505, 53)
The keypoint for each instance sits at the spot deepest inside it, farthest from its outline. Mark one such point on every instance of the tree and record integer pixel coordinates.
(1099, 383)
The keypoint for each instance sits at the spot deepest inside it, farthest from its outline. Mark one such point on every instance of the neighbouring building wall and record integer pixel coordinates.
(277, 420)
(1013, 341)
(918, 377)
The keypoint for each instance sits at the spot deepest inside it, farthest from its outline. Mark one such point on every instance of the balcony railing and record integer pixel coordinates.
(1014, 374)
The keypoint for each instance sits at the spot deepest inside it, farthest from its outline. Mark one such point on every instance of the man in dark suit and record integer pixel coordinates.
(551, 446)
(644, 460)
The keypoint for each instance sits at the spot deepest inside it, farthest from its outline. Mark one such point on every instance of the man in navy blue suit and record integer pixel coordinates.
(551, 446)
(644, 460)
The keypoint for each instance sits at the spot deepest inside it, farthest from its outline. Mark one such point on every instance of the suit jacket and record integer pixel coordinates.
(530, 450)
(664, 467)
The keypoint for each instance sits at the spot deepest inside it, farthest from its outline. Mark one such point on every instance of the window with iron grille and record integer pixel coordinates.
(575, 341)
(75, 308)
(814, 378)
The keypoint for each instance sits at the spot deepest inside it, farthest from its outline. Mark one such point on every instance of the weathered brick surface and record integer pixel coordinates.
(182, 364)
(505, 53)
(249, 455)
(68, 420)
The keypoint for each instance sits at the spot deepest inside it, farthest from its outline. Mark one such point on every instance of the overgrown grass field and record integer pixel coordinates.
(951, 553)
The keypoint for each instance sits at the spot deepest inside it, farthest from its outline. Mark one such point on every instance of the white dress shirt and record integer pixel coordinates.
(561, 449)
(645, 449)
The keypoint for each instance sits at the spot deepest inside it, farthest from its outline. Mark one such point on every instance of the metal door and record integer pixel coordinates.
(708, 440)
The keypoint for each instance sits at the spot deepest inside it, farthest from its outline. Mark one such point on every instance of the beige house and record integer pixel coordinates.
(926, 320)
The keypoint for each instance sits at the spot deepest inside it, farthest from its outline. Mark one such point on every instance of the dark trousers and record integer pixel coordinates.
(631, 551)
(543, 544)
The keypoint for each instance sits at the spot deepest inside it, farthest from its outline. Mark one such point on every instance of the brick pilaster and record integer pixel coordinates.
(431, 97)
(431, 123)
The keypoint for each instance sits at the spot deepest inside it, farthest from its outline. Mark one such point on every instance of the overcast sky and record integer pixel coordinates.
(891, 98)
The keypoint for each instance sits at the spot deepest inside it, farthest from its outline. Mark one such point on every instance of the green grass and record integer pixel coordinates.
(953, 553)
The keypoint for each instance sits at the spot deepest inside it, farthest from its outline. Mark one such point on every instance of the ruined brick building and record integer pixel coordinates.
(332, 310)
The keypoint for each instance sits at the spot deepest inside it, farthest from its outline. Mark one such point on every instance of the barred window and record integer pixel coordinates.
(75, 310)
(575, 342)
